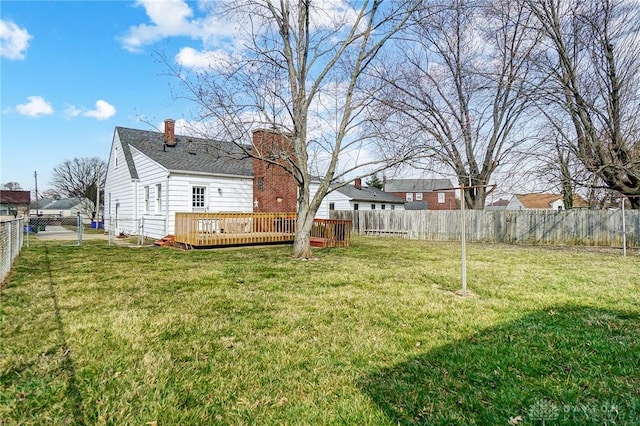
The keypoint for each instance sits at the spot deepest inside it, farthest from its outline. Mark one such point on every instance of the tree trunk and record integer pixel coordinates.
(302, 241)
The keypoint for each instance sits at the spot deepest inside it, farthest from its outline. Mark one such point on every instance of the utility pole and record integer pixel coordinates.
(35, 175)
(98, 205)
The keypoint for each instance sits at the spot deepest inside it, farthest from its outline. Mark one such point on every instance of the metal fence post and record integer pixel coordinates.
(79, 227)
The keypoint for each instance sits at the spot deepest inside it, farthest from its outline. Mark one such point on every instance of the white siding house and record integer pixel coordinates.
(151, 176)
(542, 202)
(64, 207)
(358, 197)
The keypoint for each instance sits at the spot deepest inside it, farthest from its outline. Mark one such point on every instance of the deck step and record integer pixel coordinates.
(318, 242)
(166, 241)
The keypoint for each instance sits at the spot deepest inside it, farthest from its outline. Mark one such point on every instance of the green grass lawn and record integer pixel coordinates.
(370, 335)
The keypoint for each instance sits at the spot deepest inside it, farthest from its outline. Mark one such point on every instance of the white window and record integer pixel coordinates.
(409, 197)
(373, 206)
(440, 197)
(418, 196)
(158, 203)
(146, 199)
(393, 206)
(115, 157)
(383, 206)
(198, 194)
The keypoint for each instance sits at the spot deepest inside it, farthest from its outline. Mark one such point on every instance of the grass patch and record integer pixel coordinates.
(373, 334)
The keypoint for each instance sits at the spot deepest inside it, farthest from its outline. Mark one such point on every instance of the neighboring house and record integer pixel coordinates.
(423, 194)
(358, 197)
(542, 202)
(64, 207)
(14, 203)
(501, 204)
(152, 175)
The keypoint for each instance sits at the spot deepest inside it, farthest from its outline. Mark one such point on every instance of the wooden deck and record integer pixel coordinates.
(199, 230)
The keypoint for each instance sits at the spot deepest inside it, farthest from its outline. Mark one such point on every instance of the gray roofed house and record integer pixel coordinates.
(357, 197)
(370, 194)
(423, 194)
(417, 185)
(63, 207)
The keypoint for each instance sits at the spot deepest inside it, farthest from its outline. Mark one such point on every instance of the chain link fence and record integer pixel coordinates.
(140, 229)
(11, 240)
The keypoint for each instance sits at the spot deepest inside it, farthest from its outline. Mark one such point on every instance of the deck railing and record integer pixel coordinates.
(331, 232)
(226, 229)
(222, 229)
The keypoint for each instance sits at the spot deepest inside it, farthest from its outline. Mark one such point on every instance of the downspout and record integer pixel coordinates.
(166, 206)
(135, 203)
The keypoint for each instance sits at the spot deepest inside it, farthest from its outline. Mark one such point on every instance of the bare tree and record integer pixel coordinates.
(80, 178)
(301, 70)
(12, 186)
(592, 62)
(554, 167)
(50, 193)
(461, 87)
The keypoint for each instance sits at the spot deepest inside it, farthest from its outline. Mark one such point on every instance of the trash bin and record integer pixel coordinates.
(97, 225)
(36, 224)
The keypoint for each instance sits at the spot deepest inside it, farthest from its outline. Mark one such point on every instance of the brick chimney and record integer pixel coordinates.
(357, 183)
(170, 132)
(274, 189)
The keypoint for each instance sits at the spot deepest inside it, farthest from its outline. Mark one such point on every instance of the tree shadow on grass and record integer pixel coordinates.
(565, 365)
(67, 366)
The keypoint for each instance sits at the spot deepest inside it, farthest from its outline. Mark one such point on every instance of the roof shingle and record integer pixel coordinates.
(417, 185)
(190, 154)
(371, 194)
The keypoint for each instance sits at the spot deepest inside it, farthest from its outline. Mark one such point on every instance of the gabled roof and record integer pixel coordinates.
(500, 203)
(61, 204)
(190, 154)
(44, 202)
(369, 194)
(15, 197)
(417, 185)
(543, 201)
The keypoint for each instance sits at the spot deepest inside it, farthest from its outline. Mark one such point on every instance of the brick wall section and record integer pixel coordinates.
(431, 198)
(274, 188)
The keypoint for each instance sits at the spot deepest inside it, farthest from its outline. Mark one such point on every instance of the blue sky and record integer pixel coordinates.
(73, 70)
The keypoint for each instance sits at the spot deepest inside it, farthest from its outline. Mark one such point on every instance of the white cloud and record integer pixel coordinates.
(332, 14)
(103, 111)
(175, 18)
(206, 59)
(168, 19)
(35, 107)
(72, 111)
(13, 40)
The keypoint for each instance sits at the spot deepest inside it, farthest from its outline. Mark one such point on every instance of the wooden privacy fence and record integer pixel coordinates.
(572, 227)
(227, 229)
